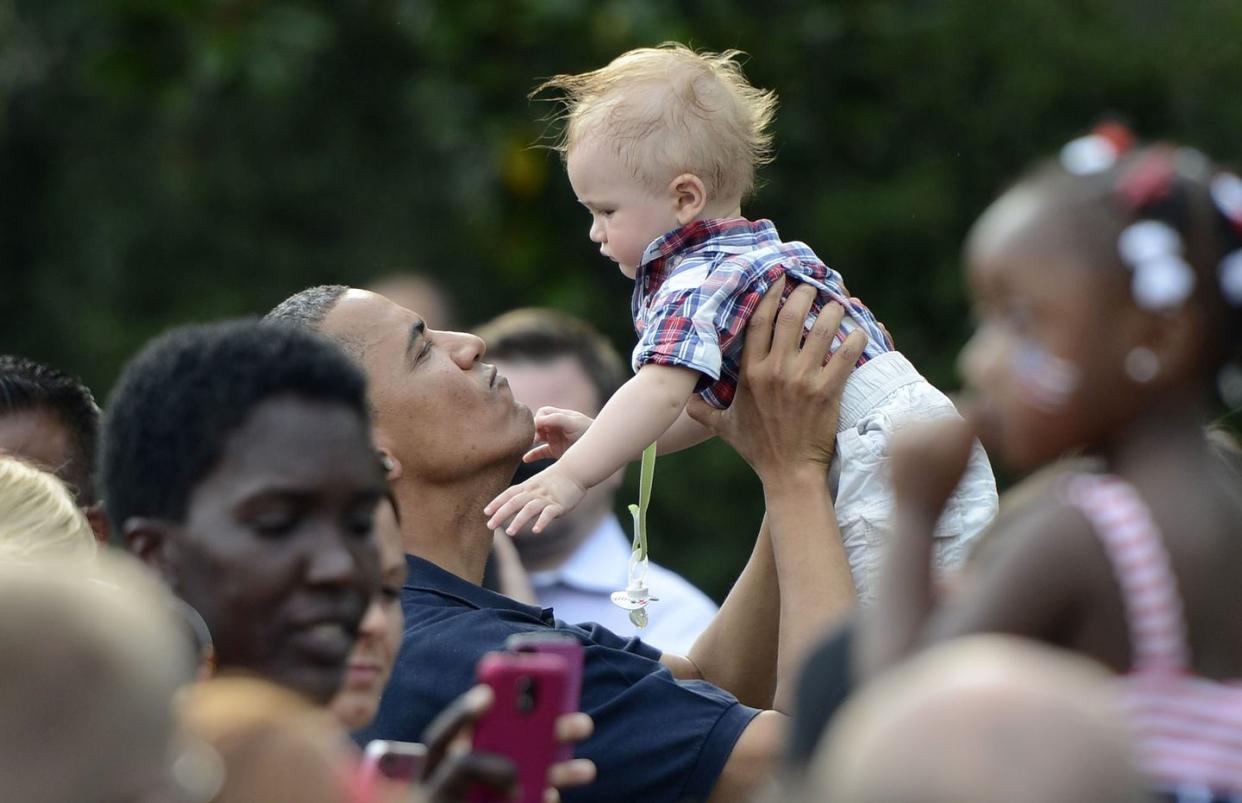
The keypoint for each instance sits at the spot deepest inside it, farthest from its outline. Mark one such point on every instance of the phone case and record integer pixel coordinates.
(569, 648)
(521, 724)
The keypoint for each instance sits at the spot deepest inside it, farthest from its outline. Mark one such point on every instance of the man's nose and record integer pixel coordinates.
(465, 349)
(597, 231)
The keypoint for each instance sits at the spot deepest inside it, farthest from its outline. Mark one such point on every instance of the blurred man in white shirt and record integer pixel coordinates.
(552, 359)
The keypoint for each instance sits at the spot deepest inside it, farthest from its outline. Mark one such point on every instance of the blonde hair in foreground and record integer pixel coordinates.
(669, 110)
(90, 663)
(38, 517)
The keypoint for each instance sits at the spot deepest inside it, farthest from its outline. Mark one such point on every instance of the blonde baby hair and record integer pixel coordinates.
(670, 110)
(38, 517)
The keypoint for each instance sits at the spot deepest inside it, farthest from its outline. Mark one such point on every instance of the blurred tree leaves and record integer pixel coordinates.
(172, 160)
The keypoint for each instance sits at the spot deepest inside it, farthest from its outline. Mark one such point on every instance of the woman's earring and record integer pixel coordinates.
(386, 462)
(1142, 365)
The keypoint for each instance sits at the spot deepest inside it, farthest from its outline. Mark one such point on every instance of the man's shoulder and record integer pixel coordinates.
(690, 726)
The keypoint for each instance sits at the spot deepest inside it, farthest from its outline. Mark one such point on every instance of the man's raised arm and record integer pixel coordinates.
(797, 582)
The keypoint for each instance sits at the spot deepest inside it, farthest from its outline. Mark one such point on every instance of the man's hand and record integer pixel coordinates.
(555, 431)
(452, 767)
(784, 415)
(546, 495)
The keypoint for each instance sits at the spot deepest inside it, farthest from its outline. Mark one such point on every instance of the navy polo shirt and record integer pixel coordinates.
(656, 738)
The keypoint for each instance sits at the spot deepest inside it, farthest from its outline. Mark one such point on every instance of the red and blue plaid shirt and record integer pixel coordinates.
(697, 287)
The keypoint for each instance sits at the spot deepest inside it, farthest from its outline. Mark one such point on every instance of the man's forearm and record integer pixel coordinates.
(795, 586)
(737, 651)
(816, 588)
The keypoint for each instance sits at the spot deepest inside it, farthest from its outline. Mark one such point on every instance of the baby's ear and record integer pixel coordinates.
(689, 197)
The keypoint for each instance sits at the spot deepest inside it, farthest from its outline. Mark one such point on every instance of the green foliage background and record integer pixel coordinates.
(164, 161)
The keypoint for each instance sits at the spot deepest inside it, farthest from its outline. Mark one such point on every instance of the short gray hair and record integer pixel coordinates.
(307, 310)
(309, 307)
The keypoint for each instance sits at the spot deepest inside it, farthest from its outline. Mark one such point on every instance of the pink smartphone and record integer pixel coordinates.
(569, 648)
(395, 762)
(521, 724)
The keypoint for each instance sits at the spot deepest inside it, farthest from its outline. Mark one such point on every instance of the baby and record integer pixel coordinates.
(661, 147)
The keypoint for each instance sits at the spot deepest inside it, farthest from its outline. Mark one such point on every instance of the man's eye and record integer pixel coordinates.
(390, 592)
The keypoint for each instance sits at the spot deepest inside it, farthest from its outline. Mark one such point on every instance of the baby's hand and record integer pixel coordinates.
(547, 495)
(555, 431)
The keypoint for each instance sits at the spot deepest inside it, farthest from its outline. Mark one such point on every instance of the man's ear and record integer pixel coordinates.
(689, 197)
(98, 520)
(151, 540)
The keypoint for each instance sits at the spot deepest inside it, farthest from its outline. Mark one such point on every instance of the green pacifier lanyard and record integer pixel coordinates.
(636, 595)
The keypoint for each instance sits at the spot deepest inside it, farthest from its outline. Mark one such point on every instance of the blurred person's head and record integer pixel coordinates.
(90, 661)
(38, 517)
(418, 292)
(1109, 290)
(50, 419)
(274, 746)
(986, 719)
(553, 359)
(236, 461)
(659, 137)
(379, 634)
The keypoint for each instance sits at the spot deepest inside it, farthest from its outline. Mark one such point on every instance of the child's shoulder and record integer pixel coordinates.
(1198, 514)
(1037, 519)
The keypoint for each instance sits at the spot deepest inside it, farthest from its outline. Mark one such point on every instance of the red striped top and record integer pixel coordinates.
(1188, 728)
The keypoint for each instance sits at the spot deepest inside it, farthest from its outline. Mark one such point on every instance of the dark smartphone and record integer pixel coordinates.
(569, 648)
(529, 693)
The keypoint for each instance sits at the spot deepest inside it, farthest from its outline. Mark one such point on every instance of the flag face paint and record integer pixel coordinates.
(1047, 381)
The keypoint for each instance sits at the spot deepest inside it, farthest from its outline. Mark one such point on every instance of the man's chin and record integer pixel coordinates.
(523, 437)
(527, 418)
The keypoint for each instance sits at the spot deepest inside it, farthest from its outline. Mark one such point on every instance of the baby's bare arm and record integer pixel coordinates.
(684, 433)
(636, 415)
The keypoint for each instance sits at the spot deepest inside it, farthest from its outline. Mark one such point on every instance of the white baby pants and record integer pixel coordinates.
(880, 398)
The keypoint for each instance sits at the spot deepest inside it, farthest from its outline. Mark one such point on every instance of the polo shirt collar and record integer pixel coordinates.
(425, 576)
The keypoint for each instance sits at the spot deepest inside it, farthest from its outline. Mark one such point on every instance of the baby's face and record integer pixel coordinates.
(626, 215)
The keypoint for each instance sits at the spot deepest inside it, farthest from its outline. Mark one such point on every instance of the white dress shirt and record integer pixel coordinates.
(579, 589)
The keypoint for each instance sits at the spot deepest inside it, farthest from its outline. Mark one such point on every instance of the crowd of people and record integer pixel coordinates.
(283, 538)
